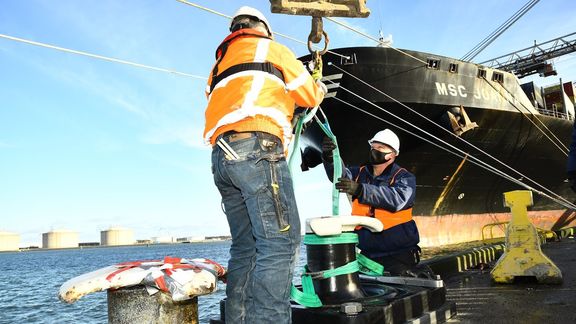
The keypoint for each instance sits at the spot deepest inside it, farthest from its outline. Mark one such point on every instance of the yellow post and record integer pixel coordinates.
(522, 255)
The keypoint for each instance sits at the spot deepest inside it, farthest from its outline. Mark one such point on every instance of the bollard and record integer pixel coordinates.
(338, 289)
(522, 255)
(134, 305)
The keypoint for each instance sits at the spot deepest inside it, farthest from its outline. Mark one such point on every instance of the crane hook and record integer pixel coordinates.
(316, 35)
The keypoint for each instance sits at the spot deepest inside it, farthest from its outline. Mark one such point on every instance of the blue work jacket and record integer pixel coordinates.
(377, 192)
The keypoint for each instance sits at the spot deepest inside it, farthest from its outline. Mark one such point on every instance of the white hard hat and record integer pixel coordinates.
(387, 137)
(249, 11)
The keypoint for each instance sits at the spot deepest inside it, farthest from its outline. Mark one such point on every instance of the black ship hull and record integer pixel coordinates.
(432, 86)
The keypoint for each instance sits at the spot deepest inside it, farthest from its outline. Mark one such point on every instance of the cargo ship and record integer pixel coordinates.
(448, 114)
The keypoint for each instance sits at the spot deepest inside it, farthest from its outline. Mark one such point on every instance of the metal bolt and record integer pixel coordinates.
(351, 308)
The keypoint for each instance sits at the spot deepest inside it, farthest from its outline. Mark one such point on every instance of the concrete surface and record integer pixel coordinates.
(478, 300)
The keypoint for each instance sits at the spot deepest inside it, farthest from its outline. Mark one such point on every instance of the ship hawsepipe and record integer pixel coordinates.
(432, 85)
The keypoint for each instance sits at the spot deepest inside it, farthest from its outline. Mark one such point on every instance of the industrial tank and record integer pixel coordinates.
(59, 239)
(9, 241)
(116, 236)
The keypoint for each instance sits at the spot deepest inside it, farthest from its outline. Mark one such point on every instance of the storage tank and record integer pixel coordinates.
(117, 236)
(58, 239)
(9, 241)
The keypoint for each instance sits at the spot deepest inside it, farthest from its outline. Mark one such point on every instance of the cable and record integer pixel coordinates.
(371, 38)
(276, 33)
(110, 59)
(560, 200)
(305, 43)
(559, 143)
(474, 160)
(501, 29)
(463, 156)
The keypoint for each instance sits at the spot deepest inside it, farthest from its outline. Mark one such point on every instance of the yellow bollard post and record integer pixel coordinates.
(522, 255)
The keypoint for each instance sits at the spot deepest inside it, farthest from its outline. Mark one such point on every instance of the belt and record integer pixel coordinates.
(233, 136)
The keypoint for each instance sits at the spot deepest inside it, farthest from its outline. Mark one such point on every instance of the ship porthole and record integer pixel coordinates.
(460, 196)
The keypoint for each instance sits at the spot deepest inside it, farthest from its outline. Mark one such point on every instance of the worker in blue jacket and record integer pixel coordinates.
(386, 191)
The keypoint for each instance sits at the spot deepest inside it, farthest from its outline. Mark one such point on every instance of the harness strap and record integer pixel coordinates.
(223, 48)
(254, 66)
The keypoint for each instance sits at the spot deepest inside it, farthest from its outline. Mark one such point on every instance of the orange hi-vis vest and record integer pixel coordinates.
(389, 219)
(248, 99)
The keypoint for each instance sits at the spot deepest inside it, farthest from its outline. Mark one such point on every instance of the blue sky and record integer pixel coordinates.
(86, 144)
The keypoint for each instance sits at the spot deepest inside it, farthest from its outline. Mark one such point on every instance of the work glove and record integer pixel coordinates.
(322, 87)
(349, 186)
(328, 146)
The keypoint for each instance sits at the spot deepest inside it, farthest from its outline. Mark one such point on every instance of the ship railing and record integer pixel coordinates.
(490, 226)
(554, 113)
(544, 234)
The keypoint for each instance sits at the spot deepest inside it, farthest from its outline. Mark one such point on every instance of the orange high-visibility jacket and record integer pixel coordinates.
(388, 218)
(253, 100)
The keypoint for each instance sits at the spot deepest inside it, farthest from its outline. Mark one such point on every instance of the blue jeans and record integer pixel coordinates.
(262, 257)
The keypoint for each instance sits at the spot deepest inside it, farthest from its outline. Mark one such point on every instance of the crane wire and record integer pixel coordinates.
(501, 29)
(101, 57)
(560, 200)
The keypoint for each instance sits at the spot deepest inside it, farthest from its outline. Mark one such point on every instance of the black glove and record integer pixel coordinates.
(328, 146)
(348, 186)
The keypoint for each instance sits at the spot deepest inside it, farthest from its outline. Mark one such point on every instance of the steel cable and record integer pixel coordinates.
(550, 193)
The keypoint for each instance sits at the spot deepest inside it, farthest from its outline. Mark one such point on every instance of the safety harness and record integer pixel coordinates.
(252, 66)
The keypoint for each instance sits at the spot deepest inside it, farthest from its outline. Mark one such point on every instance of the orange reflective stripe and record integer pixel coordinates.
(388, 219)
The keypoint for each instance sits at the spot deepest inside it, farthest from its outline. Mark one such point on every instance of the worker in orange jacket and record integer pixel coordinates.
(252, 92)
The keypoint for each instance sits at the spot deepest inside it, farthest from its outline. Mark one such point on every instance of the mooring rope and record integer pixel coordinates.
(557, 143)
(550, 194)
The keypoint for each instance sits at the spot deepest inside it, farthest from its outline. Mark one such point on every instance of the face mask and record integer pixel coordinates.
(377, 157)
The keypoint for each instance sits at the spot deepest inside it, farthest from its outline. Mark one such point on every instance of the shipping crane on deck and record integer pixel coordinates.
(536, 58)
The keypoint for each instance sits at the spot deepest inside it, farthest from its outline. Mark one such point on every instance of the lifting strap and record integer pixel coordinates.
(307, 296)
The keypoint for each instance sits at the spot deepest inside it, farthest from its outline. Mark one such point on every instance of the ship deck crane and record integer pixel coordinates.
(536, 58)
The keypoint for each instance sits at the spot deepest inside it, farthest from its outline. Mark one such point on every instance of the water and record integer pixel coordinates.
(30, 281)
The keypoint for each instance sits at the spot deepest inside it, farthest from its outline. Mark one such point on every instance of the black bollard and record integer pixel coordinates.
(338, 289)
